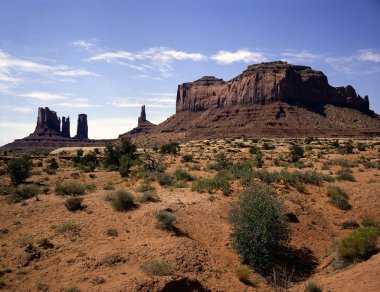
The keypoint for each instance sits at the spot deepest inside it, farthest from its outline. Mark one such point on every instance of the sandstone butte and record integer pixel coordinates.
(273, 99)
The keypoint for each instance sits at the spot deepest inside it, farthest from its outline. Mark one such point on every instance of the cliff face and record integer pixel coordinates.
(82, 128)
(267, 83)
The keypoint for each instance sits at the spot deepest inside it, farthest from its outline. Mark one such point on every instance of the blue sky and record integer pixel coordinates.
(107, 58)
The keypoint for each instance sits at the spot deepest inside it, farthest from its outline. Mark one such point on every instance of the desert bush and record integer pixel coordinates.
(170, 148)
(243, 274)
(361, 147)
(73, 289)
(53, 164)
(222, 162)
(164, 179)
(39, 164)
(347, 148)
(92, 175)
(338, 197)
(50, 171)
(22, 192)
(210, 185)
(187, 158)
(87, 162)
(117, 154)
(24, 240)
(267, 146)
(90, 187)
(308, 140)
(158, 268)
(312, 287)
(111, 232)
(345, 174)
(165, 220)
(359, 244)
(144, 187)
(296, 153)
(180, 174)
(259, 161)
(44, 242)
(6, 191)
(108, 186)
(243, 171)
(253, 149)
(70, 188)
(19, 169)
(369, 164)
(66, 227)
(149, 196)
(122, 200)
(74, 204)
(259, 226)
(369, 221)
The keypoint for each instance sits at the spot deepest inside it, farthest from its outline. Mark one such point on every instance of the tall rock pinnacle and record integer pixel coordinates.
(142, 117)
(66, 127)
(82, 129)
(47, 121)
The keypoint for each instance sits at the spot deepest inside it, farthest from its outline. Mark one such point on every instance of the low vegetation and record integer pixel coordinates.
(165, 220)
(74, 204)
(158, 268)
(338, 197)
(121, 200)
(19, 169)
(72, 188)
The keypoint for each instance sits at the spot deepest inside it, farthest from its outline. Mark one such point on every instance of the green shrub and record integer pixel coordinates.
(308, 140)
(187, 158)
(180, 174)
(296, 153)
(361, 147)
(345, 174)
(108, 186)
(346, 149)
(19, 169)
(253, 149)
(70, 188)
(111, 232)
(267, 146)
(66, 227)
(243, 171)
(243, 274)
(165, 220)
(122, 200)
(53, 164)
(338, 197)
(170, 148)
(359, 244)
(369, 221)
(113, 154)
(158, 268)
(222, 161)
(87, 162)
(180, 184)
(259, 226)
(6, 191)
(50, 171)
(74, 204)
(312, 287)
(164, 179)
(90, 187)
(39, 164)
(259, 161)
(149, 196)
(44, 242)
(144, 187)
(210, 185)
(23, 192)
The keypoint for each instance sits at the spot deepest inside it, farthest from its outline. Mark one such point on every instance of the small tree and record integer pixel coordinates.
(296, 153)
(259, 226)
(170, 148)
(19, 169)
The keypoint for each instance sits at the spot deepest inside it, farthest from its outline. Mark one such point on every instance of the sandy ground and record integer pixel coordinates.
(202, 254)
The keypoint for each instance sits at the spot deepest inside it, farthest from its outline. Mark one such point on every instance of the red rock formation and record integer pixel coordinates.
(143, 125)
(267, 83)
(66, 127)
(47, 121)
(82, 128)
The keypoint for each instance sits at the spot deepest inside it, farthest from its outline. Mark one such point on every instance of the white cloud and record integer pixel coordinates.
(242, 55)
(301, 56)
(368, 56)
(83, 44)
(159, 58)
(74, 73)
(17, 108)
(45, 96)
(78, 105)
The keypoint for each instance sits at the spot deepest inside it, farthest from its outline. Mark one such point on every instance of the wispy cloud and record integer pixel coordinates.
(158, 58)
(242, 55)
(84, 44)
(78, 105)
(17, 108)
(13, 70)
(44, 96)
(368, 56)
(301, 56)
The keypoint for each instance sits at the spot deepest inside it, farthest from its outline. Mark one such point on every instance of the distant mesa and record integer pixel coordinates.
(52, 132)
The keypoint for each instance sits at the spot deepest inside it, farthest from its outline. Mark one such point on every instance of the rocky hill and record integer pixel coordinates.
(273, 99)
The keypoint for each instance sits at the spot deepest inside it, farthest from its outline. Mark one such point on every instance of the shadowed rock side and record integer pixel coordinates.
(48, 134)
(82, 128)
(273, 99)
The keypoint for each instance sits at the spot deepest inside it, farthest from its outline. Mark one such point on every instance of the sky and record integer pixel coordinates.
(106, 58)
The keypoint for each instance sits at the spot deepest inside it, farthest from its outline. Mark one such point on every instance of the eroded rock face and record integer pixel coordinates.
(267, 83)
(82, 128)
(66, 127)
(47, 121)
